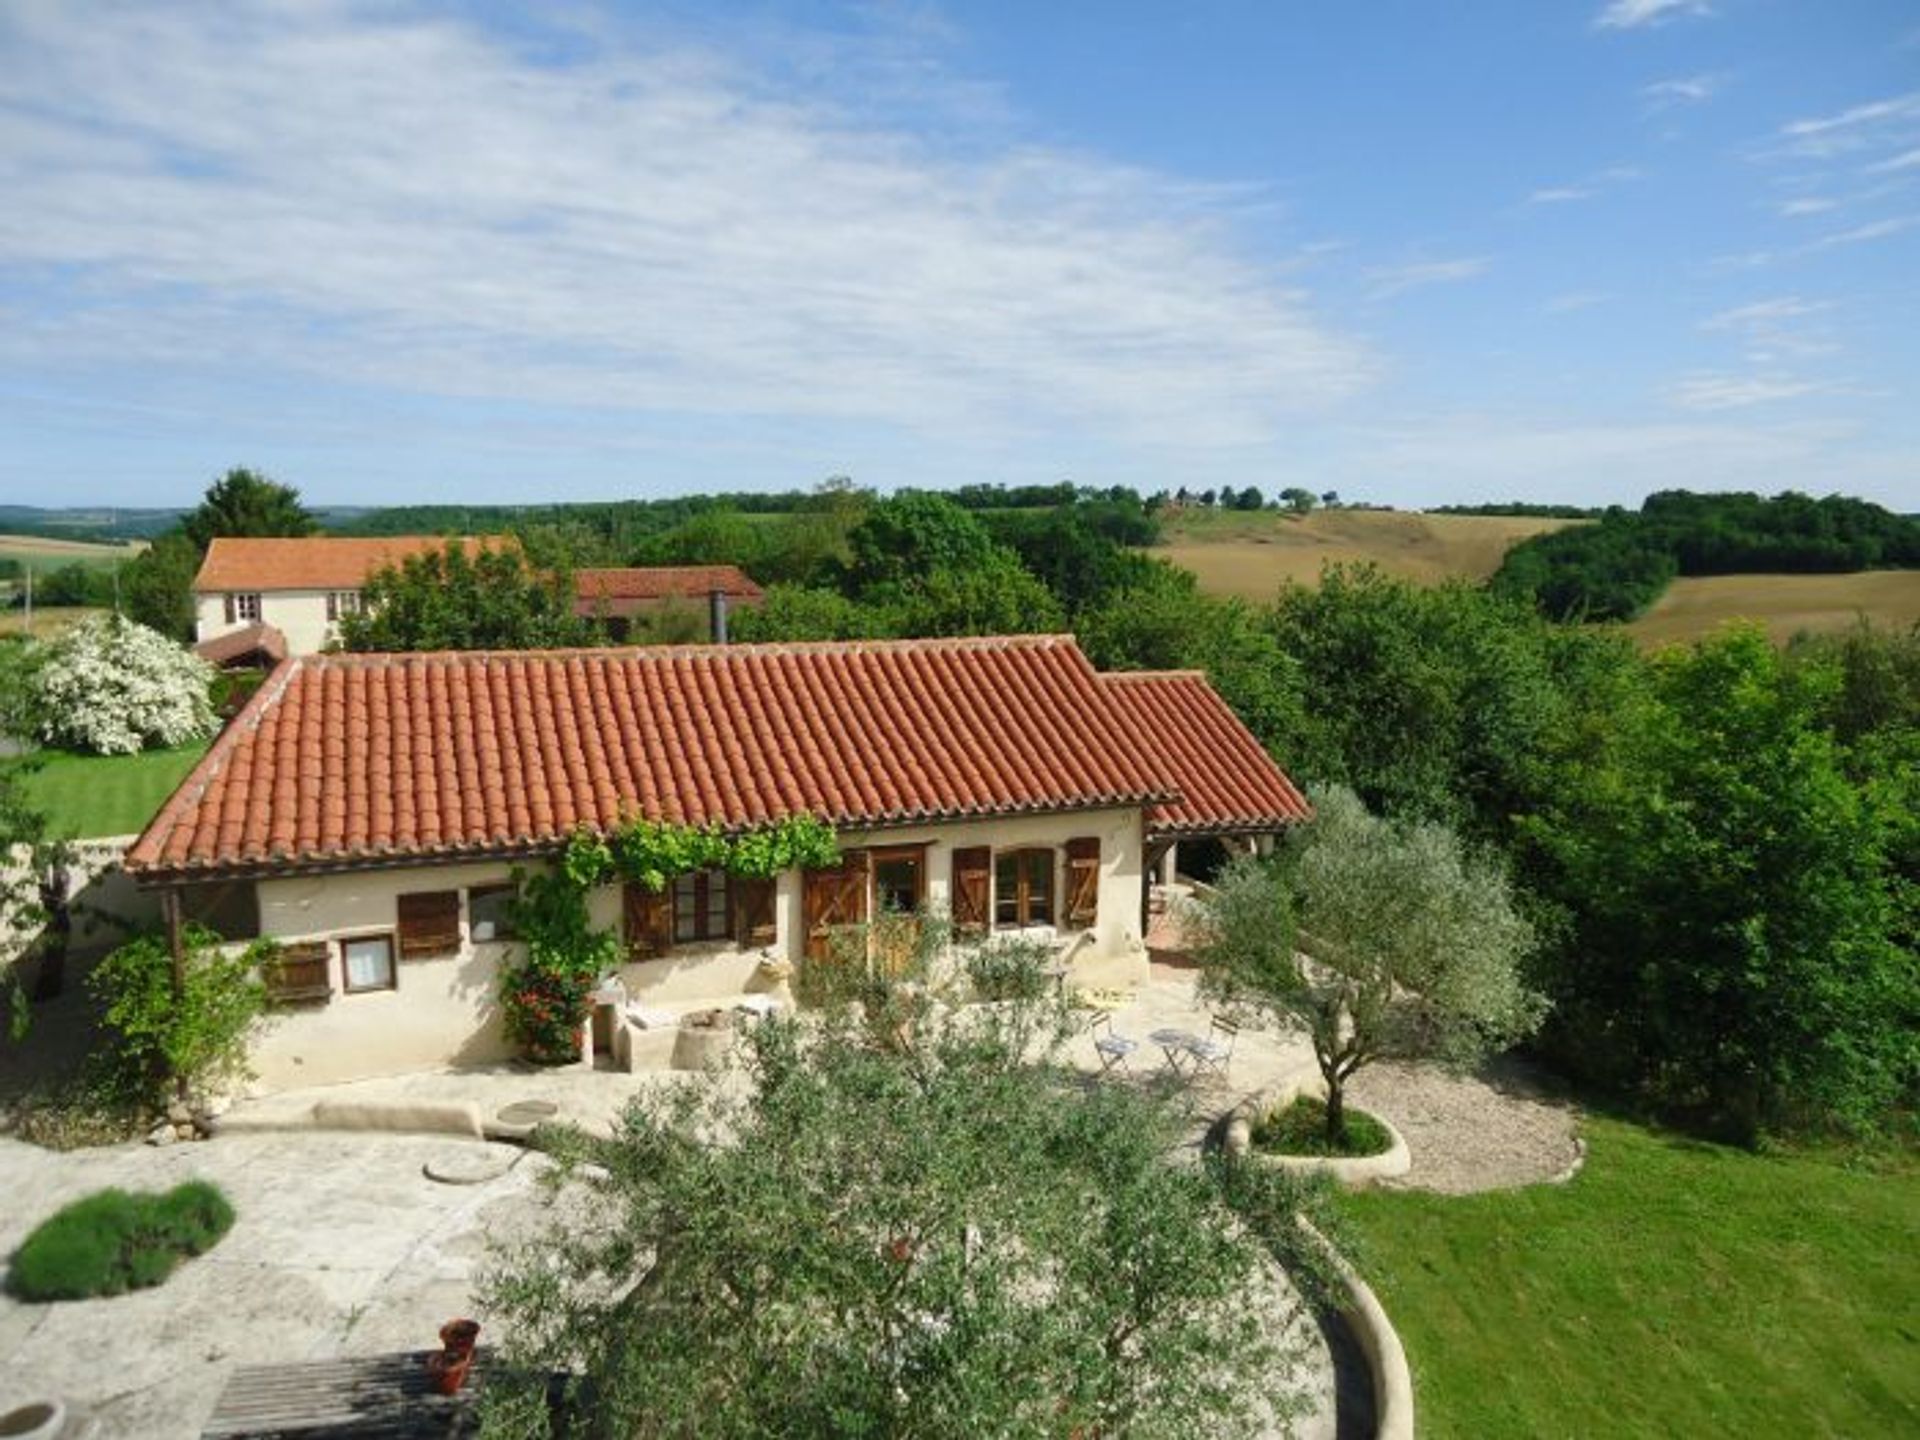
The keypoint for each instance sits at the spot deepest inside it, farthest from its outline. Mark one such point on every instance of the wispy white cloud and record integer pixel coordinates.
(1586, 187)
(1907, 160)
(1764, 312)
(1862, 234)
(612, 218)
(1574, 300)
(1738, 392)
(1633, 14)
(1808, 205)
(1683, 90)
(1899, 107)
(1387, 281)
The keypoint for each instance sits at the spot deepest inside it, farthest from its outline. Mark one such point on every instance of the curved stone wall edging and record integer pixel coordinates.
(1353, 1171)
(1379, 1342)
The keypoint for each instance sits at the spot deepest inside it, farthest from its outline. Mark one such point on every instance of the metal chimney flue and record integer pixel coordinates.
(717, 615)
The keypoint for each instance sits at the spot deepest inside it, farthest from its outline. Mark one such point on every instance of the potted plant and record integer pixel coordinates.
(447, 1367)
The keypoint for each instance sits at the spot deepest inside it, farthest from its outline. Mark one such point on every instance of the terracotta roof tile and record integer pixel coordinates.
(1227, 783)
(351, 759)
(313, 562)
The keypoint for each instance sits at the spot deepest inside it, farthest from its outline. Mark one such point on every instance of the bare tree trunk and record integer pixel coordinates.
(1336, 1111)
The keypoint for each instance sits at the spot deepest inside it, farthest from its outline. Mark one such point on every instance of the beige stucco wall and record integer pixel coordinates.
(444, 1012)
(300, 615)
(441, 1012)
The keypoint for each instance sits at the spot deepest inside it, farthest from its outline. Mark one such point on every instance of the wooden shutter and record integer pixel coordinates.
(429, 924)
(972, 889)
(1083, 881)
(647, 916)
(753, 910)
(834, 897)
(229, 600)
(299, 973)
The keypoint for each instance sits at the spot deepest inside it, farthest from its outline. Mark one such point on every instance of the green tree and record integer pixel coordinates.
(713, 537)
(245, 502)
(177, 1031)
(1732, 911)
(794, 612)
(489, 598)
(902, 539)
(157, 586)
(942, 1240)
(1167, 623)
(1413, 945)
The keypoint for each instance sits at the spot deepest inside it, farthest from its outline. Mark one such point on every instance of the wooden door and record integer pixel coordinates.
(833, 898)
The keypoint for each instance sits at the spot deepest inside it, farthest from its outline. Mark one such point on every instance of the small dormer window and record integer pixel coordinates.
(243, 607)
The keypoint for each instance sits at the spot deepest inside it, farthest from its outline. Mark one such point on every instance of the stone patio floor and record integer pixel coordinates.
(343, 1246)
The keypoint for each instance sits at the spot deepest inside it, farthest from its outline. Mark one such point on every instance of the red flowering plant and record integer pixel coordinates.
(544, 995)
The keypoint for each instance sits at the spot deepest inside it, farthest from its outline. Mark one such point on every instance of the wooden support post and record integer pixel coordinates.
(177, 948)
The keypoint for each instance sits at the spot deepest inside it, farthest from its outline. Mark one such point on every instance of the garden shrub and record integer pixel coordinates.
(116, 1240)
(1301, 1129)
(111, 687)
(1010, 970)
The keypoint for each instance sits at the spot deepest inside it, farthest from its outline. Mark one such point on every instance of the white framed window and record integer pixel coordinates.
(342, 602)
(366, 962)
(700, 905)
(243, 606)
(1022, 888)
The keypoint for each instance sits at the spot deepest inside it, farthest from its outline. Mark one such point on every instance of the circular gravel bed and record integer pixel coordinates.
(1489, 1131)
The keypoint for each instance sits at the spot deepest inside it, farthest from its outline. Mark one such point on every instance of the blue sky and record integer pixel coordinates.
(1418, 253)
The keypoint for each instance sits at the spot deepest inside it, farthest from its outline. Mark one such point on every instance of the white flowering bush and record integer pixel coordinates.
(113, 687)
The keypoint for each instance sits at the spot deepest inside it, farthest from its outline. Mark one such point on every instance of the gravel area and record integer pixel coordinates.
(1490, 1131)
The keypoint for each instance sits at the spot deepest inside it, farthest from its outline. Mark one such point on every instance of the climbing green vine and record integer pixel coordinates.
(544, 995)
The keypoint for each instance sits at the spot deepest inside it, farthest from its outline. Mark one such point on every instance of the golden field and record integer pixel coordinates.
(1252, 553)
(1785, 604)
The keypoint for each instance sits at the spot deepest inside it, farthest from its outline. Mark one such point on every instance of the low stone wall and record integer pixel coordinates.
(105, 903)
(1379, 1342)
(1354, 1171)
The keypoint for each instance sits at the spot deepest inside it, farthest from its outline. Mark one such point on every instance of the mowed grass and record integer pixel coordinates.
(1672, 1288)
(1785, 604)
(1251, 554)
(89, 796)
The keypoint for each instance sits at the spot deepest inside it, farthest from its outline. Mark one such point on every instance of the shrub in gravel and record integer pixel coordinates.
(1301, 1129)
(118, 1240)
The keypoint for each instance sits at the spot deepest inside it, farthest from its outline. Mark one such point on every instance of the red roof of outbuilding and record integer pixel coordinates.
(1227, 783)
(265, 641)
(370, 759)
(662, 582)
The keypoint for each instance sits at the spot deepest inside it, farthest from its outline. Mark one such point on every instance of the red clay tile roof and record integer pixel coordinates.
(262, 640)
(607, 588)
(1228, 784)
(371, 759)
(312, 562)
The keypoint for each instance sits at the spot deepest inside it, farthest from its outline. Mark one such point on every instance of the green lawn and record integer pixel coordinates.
(86, 796)
(1673, 1288)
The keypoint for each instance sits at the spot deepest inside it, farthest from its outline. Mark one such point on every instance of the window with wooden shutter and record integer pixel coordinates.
(1083, 881)
(1023, 887)
(754, 922)
(833, 898)
(299, 974)
(972, 888)
(647, 918)
(429, 924)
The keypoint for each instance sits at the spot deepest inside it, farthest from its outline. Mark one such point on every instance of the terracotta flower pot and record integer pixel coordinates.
(457, 1336)
(447, 1371)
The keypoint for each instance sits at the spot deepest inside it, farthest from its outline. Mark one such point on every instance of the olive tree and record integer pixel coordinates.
(865, 1238)
(1379, 939)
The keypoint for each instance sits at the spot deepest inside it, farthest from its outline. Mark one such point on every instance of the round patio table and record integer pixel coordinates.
(1174, 1043)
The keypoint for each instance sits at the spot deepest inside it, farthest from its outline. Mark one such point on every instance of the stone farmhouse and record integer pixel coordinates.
(369, 812)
